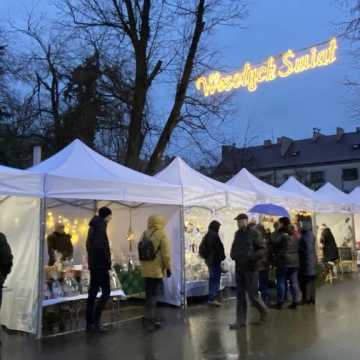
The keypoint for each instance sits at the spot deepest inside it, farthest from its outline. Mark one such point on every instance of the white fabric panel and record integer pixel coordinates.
(69, 187)
(119, 226)
(78, 172)
(19, 221)
(19, 182)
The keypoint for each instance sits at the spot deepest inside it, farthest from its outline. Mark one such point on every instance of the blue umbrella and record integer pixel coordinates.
(269, 209)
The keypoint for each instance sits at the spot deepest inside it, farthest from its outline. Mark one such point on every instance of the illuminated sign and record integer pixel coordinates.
(283, 66)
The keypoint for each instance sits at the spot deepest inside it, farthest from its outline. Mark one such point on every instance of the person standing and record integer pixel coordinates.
(330, 249)
(155, 259)
(61, 242)
(307, 253)
(212, 251)
(247, 249)
(264, 265)
(286, 259)
(99, 259)
(6, 262)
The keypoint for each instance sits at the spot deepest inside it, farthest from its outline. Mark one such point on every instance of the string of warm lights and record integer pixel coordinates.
(76, 227)
(278, 66)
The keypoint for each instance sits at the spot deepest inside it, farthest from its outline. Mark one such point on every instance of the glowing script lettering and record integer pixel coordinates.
(251, 76)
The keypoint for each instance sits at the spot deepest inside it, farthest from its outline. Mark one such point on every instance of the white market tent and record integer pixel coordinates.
(20, 193)
(200, 190)
(267, 193)
(79, 173)
(338, 201)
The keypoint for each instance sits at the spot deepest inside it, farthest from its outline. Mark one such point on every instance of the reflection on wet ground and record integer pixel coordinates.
(327, 331)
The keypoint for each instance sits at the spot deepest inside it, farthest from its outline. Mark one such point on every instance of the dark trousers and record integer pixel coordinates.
(264, 285)
(153, 289)
(307, 285)
(99, 279)
(247, 284)
(214, 281)
(282, 277)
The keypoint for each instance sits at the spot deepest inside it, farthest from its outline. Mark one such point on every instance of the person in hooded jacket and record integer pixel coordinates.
(213, 255)
(154, 271)
(6, 262)
(99, 260)
(307, 253)
(330, 249)
(285, 248)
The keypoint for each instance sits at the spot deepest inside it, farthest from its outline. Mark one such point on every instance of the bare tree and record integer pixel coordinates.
(160, 38)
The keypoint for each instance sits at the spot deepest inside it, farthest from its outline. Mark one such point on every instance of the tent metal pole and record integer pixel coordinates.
(41, 274)
(183, 272)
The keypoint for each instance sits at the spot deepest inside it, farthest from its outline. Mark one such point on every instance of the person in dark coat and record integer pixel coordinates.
(330, 249)
(213, 255)
(247, 251)
(99, 260)
(307, 253)
(285, 248)
(61, 242)
(6, 262)
(264, 265)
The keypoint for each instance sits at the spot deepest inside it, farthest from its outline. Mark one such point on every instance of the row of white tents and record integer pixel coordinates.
(78, 176)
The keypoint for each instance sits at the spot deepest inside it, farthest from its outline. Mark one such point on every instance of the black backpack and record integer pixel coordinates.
(147, 250)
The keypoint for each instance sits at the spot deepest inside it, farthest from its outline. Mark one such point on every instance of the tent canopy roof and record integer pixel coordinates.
(268, 193)
(294, 186)
(79, 172)
(196, 185)
(329, 193)
(15, 182)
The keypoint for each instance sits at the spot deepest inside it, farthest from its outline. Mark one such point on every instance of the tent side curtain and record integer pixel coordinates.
(20, 222)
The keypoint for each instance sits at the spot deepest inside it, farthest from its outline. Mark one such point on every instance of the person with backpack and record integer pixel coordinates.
(99, 259)
(212, 251)
(6, 262)
(155, 258)
(247, 250)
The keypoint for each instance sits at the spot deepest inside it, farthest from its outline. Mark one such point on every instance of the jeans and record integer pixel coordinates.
(247, 284)
(99, 279)
(214, 281)
(282, 277)
(264, 285)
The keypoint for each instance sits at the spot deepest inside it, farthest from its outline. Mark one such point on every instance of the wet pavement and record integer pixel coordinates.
(330, 330)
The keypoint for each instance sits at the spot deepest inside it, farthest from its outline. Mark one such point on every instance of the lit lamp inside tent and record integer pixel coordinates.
(130, 237)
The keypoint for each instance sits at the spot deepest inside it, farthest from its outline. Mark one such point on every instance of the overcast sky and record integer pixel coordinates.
(291, 106)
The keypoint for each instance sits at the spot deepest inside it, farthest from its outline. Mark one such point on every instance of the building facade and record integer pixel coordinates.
(313, 161)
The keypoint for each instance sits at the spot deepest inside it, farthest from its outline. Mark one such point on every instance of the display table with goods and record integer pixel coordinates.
(65, 293)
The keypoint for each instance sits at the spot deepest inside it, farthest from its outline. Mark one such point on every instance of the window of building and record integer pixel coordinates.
(350, 174)
(317, 177)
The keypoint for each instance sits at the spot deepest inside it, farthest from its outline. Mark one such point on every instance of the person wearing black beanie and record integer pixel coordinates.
(99, 260)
